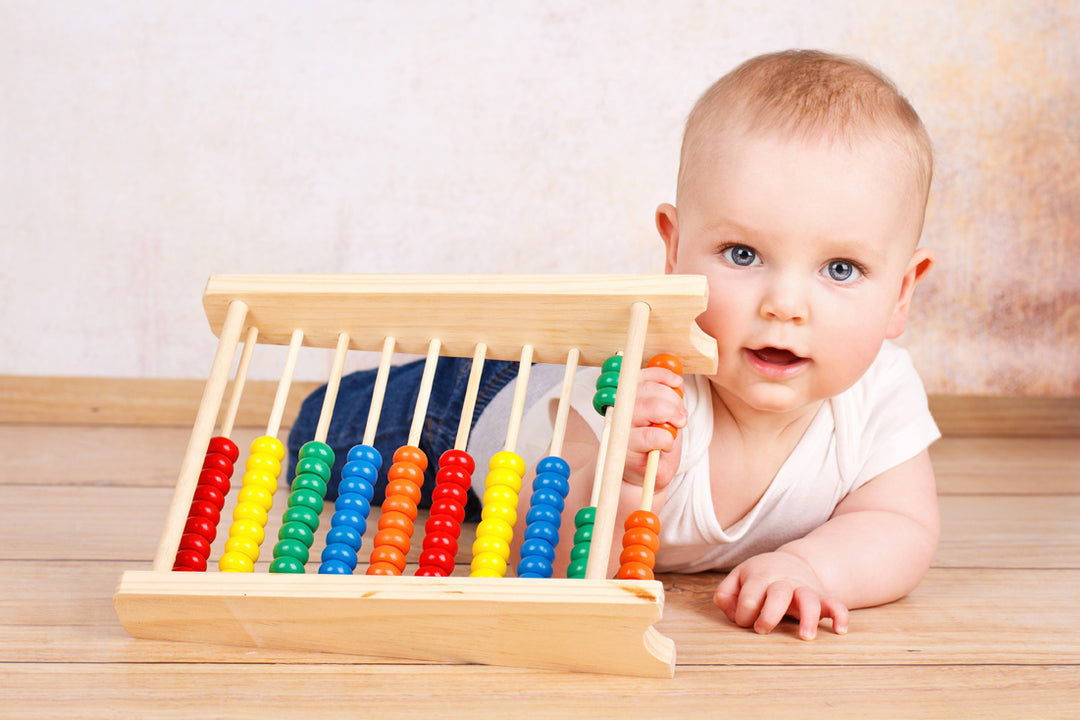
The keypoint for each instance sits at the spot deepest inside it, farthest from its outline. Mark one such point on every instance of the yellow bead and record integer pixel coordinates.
(250, 511)
(257, 478)
(242, 545)
(256, 495)
(500, 495)
(235, 562)
(491, 544)
(505, 477)
(264, 463)
(506, 513)
(269, 446)
(510, 461)
(488, 565)
(248, 529)
(495, 527)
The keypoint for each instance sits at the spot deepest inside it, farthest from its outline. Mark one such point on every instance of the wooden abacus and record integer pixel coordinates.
(591, 624)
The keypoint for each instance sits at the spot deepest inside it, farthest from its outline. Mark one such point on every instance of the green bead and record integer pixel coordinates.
(291, 548)
(296, 531)
(307, 498)
(313, 465)
(580, 552)
(320, 450)
(603, 399)
(583, 534)
(310, 481)
(607, 380)
(612, 364)
(577, 569)
(287, 564)
(585, 516)
(302, 514)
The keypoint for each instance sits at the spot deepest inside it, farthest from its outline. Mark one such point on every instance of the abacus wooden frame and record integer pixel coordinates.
(595, 624)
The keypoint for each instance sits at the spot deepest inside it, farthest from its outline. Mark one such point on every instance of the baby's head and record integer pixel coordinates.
(806, 95)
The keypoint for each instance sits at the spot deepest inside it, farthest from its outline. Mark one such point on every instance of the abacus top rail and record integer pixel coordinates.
(549, 312)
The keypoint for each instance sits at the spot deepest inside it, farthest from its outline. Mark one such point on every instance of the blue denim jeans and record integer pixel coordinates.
(395, 420)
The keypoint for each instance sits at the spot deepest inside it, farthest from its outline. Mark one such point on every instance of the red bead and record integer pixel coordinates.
(446, 506)
(666, 360)
(442, 540)
(190, 560)
(402, 504)
(211, 495)
(451, 492)
(393, 537)
(430, 571)
(411, 454)
(442, 523)
(458, 458)
(224, 446)
(397, 520)
(201, 526)
(453, 475)
(635, 571)
(405, 488)
(217, 461)
(215, 479)
(202, 508)
(196, 542)
(406, 471)
(644, 519)
(641, 536)
(437, 558)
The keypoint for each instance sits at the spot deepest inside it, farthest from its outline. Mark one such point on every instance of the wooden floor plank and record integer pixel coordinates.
(1017, 466)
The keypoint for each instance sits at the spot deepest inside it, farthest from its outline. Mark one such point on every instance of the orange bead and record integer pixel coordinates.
(397, 520)
(668, 361)
(670, 428)
(414, 474)
(641, 536)
(411, 454)
(388, 555)
(406, 488)
(635, 571)
(638, 554)
(643, 519)
(383, 568)
(393, 537)
(401, 504)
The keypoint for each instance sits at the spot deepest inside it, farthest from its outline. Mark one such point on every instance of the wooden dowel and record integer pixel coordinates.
(379, 391)
(278, 411)
(558, 433)
(200, 436)
(422, 397)
(648, 485)
(238, 382)
(611, 480)
(461, 441)
(517, 409)
(601, 456)
(332, 385)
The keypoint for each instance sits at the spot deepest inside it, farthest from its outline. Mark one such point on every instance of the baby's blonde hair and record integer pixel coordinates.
(809, 94)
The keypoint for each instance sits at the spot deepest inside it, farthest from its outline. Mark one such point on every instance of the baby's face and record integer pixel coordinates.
(805, 246)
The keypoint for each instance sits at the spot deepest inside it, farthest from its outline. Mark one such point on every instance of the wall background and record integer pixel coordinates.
(145, 146)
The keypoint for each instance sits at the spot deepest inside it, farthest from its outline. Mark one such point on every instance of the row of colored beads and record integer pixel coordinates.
(254, 501)
(394, 538)
(443, 527)
(491, 550)
(305, 503)
(550, 487)
(349, 521)
(200, 529)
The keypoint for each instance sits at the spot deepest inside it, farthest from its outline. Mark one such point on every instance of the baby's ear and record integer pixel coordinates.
(667, 222)
(921, 262)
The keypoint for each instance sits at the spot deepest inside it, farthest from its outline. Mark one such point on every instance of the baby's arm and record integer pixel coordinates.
(874, 549)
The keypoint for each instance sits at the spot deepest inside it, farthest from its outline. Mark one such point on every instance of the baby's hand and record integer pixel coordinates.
(659, 401)
(765, 588)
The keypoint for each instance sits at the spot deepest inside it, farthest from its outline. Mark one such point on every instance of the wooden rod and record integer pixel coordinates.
(422, 397)
(558, 433)
(379, 391)
(461, 441)
(238, 381)
(277, 412)
(332, 385)
(517, 409)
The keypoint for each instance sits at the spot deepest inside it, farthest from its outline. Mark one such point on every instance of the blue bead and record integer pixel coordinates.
(367, 454)
(553, 464)
(341, 553)
(534, 567)
(355, 502)
(550, 498)
(544, 531)
(345, 535)
(552, 481)
(356, 486)
(536, 547)
(542, 513)
(335, 567)
(351, 518)
(360, 470)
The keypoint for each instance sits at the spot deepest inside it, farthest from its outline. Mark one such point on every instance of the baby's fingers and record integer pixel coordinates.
(838, 612)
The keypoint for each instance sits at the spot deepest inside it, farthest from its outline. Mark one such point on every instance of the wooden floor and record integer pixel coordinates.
(993, 631)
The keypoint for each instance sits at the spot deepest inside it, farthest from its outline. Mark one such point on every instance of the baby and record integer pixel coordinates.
(801, 466)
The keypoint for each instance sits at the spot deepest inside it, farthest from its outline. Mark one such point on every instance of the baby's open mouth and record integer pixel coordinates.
(776, 356)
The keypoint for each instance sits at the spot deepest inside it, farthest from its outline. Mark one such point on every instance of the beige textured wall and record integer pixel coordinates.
(144, 146)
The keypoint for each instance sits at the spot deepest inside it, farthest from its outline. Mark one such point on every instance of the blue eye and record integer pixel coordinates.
(842, 271)
(740, 255)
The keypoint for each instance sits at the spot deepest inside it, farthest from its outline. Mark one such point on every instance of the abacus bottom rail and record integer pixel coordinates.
(603, 626)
